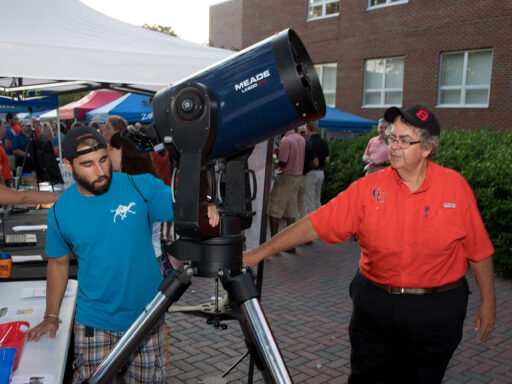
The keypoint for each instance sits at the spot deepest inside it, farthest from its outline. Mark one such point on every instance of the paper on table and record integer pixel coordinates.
(30, 293)
(19, 228)
(22, 258)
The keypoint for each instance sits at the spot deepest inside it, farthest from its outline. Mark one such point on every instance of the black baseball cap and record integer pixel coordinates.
(76, 136)
(418, 116)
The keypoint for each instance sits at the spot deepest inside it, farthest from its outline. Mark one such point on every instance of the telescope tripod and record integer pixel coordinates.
(258, 335)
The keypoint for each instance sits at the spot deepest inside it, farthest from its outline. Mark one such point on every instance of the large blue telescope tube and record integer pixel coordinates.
(264, 90)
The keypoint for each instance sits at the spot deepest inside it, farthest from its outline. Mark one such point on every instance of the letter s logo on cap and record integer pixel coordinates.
(422, 115)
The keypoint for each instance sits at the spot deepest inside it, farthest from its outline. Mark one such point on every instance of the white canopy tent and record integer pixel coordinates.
(64, 46)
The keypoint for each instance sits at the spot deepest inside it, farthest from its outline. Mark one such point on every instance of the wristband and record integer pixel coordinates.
(53, 317)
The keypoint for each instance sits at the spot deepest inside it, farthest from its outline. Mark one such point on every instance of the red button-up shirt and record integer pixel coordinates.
(414, 240)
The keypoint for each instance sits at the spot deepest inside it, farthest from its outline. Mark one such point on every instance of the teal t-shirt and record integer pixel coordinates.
(118, 273)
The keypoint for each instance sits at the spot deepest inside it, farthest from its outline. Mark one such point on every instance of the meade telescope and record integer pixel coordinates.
(222, 112)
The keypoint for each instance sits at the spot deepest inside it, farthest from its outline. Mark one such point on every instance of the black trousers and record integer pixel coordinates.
(405, 339)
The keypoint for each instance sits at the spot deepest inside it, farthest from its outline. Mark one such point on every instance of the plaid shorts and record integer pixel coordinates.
(146, 365)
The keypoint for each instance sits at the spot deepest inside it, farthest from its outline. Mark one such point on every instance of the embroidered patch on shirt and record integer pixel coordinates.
(449, 205)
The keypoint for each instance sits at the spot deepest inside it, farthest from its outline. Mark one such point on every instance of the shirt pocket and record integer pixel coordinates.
(442, 231)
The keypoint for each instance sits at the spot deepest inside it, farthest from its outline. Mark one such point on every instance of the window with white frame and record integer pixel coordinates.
(465, 78)
(327, 76)
(384, 3)
(323, 8)
(383, 82)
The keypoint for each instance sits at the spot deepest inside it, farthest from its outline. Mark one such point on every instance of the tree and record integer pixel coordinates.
(66, 99)
(161, 29)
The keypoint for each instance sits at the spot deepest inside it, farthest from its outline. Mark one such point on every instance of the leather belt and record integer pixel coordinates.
(414, 291)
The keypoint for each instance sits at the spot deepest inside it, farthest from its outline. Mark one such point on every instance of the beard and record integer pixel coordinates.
(91, 186)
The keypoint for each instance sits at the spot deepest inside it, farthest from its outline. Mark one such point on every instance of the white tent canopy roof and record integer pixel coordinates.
(44, 41)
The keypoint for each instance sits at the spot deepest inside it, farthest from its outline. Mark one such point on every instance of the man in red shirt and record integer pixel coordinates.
(419, 227)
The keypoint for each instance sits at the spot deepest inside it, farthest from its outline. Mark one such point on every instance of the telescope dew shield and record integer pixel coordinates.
(260, 92)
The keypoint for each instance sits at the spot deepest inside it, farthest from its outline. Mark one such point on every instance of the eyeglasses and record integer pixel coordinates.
(402, 143)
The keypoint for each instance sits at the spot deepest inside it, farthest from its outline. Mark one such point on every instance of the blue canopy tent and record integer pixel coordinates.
(338, 123)
(133, 108)
(29, 105)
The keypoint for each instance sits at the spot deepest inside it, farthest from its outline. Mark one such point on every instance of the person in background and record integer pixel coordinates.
(114, 124)
(36, 126)
(5, 169)
(14, 123)
(316, 176)
(7, 139)
(137, 126)
(376, 153)
(101, 128)
(20, 147)
(305, 197)
(284, 192)
(419, 228)
(46, 133)
(95, 125)
(55, 140)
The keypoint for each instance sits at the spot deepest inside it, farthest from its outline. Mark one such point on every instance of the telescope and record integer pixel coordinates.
(222, 112)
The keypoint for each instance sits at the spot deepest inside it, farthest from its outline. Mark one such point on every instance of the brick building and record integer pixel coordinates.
(452, 56)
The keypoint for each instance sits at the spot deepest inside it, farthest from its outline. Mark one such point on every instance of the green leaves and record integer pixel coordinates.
(484, 158)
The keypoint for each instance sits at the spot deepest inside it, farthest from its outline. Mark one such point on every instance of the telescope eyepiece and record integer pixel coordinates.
(189, 105)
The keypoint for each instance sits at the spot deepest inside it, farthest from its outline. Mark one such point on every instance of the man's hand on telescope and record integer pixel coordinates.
(213, 215)
(252, 257)
(296, 234)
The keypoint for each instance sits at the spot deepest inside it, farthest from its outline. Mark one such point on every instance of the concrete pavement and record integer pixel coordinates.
(305, 298)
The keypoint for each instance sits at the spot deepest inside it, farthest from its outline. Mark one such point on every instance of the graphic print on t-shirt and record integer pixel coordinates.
(122, 211)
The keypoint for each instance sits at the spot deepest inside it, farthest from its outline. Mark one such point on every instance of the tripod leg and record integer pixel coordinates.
(259, 337)
(171, 290)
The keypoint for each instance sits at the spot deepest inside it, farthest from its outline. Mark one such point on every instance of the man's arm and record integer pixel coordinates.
(11, 197)
(57, 273)
(300, 232)
(486, 315)
(19, 152)
(8, 144)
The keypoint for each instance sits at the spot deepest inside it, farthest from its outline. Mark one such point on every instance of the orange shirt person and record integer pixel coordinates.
(419, 227)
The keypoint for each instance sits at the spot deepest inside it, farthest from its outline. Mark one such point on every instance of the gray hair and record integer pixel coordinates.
(430, 141)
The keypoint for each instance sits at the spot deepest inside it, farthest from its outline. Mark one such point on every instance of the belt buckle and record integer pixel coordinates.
(395, 290)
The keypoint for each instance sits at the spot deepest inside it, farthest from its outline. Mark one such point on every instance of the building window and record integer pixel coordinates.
(323, 8)
(384, 3)
(327, 76)
(465, 79)
(383, 82)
